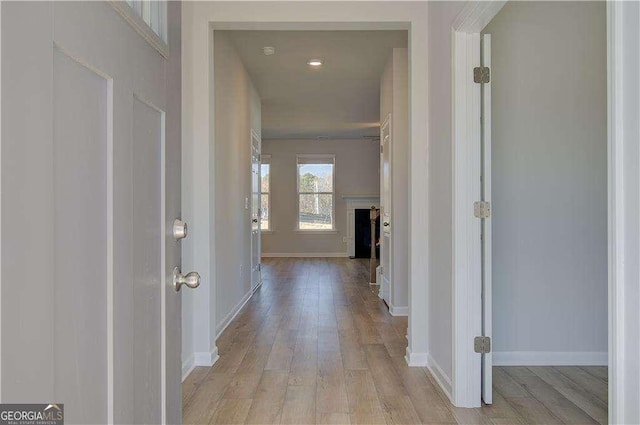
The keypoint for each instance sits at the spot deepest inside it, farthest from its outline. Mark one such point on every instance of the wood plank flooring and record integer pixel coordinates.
(315, 345)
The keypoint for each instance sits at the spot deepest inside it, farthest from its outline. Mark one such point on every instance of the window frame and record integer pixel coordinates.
(134, 11)
(332, 158)
(266, 159)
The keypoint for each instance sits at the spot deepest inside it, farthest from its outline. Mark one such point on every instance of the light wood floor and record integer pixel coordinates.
(316, 345)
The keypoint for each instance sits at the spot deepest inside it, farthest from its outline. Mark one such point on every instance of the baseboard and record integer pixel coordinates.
(304, 254)
(187, 366)
(549, 358)
(398, 311)
(441, 378)
(198, 359)
(205, 358)
(234, 312)
(416, 359)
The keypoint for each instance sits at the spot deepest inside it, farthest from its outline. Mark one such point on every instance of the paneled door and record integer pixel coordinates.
(90, 177)
(385, 209)
(255, 210)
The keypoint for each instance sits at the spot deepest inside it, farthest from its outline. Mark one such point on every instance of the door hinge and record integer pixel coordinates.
(482, 344)
(381, 148)
(259, 157)
(482, 209)
(481, 74)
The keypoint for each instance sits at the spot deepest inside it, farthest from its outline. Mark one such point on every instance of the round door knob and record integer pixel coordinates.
(191, 280)
(385, 224)
(255, 220)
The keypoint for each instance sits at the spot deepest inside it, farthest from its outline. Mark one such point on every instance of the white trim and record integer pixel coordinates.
(466, 248)
(141, 27)
(304, 254)
(187, 366)
(623, 54)
(467, 309)
(416, 359)
(205, 358)
(398, 311)
(441, 378)
(549, 358)
(234, 312)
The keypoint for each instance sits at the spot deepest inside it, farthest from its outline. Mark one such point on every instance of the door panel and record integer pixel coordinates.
(81, 261)
(147, 262)
(90, 188)
(385, 210)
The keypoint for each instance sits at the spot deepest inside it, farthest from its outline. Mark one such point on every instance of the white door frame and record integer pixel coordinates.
(467, 267)
(199, 21)
(623, 23)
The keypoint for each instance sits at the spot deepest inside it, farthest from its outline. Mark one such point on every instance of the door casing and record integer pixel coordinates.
(202, 19)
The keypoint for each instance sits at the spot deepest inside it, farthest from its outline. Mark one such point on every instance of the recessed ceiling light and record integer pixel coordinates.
(268, 50)
(314, 62)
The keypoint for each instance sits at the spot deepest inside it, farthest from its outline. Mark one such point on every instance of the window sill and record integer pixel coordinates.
(317, 232)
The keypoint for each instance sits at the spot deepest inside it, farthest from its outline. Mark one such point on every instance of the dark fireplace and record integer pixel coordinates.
(362, 234)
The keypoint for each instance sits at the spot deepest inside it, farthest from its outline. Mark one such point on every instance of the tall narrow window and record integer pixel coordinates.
(316, 192)
(265, 200)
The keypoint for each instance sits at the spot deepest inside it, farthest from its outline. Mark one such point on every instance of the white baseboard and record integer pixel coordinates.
(205, 358)
(549, 358)
(441, 378)
(234, 312)
(198, 359)
(187, 366)
(398, 311)
(304, 254)
(416, 359)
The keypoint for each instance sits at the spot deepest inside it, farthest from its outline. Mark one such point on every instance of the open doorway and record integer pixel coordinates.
(539, 149)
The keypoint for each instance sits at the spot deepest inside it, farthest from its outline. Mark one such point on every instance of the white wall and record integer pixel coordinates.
(549, 176)
(394, 100)
(236, 111)
(441, 17)
(356, 173)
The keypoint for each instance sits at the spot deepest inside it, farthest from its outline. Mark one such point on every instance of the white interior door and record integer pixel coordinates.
(487, 358)
(90, 173)
(255, 210)
(385, 209)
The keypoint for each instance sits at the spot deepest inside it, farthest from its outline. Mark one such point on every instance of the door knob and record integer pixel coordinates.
(385, 224)
(192, 280)
(179, 229)
(255, 220)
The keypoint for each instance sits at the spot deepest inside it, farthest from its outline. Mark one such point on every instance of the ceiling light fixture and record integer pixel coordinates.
(268, 50)
(314, 62)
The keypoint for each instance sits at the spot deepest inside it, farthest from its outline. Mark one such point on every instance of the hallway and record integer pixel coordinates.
(316, 345)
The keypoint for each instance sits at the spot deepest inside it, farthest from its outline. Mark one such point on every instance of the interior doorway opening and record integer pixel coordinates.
(538, 180)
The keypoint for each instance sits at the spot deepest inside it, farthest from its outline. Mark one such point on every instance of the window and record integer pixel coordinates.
(265, 188)
(315, 192)
(153, 13)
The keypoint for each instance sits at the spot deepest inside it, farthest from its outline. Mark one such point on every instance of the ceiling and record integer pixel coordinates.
(340, 99)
